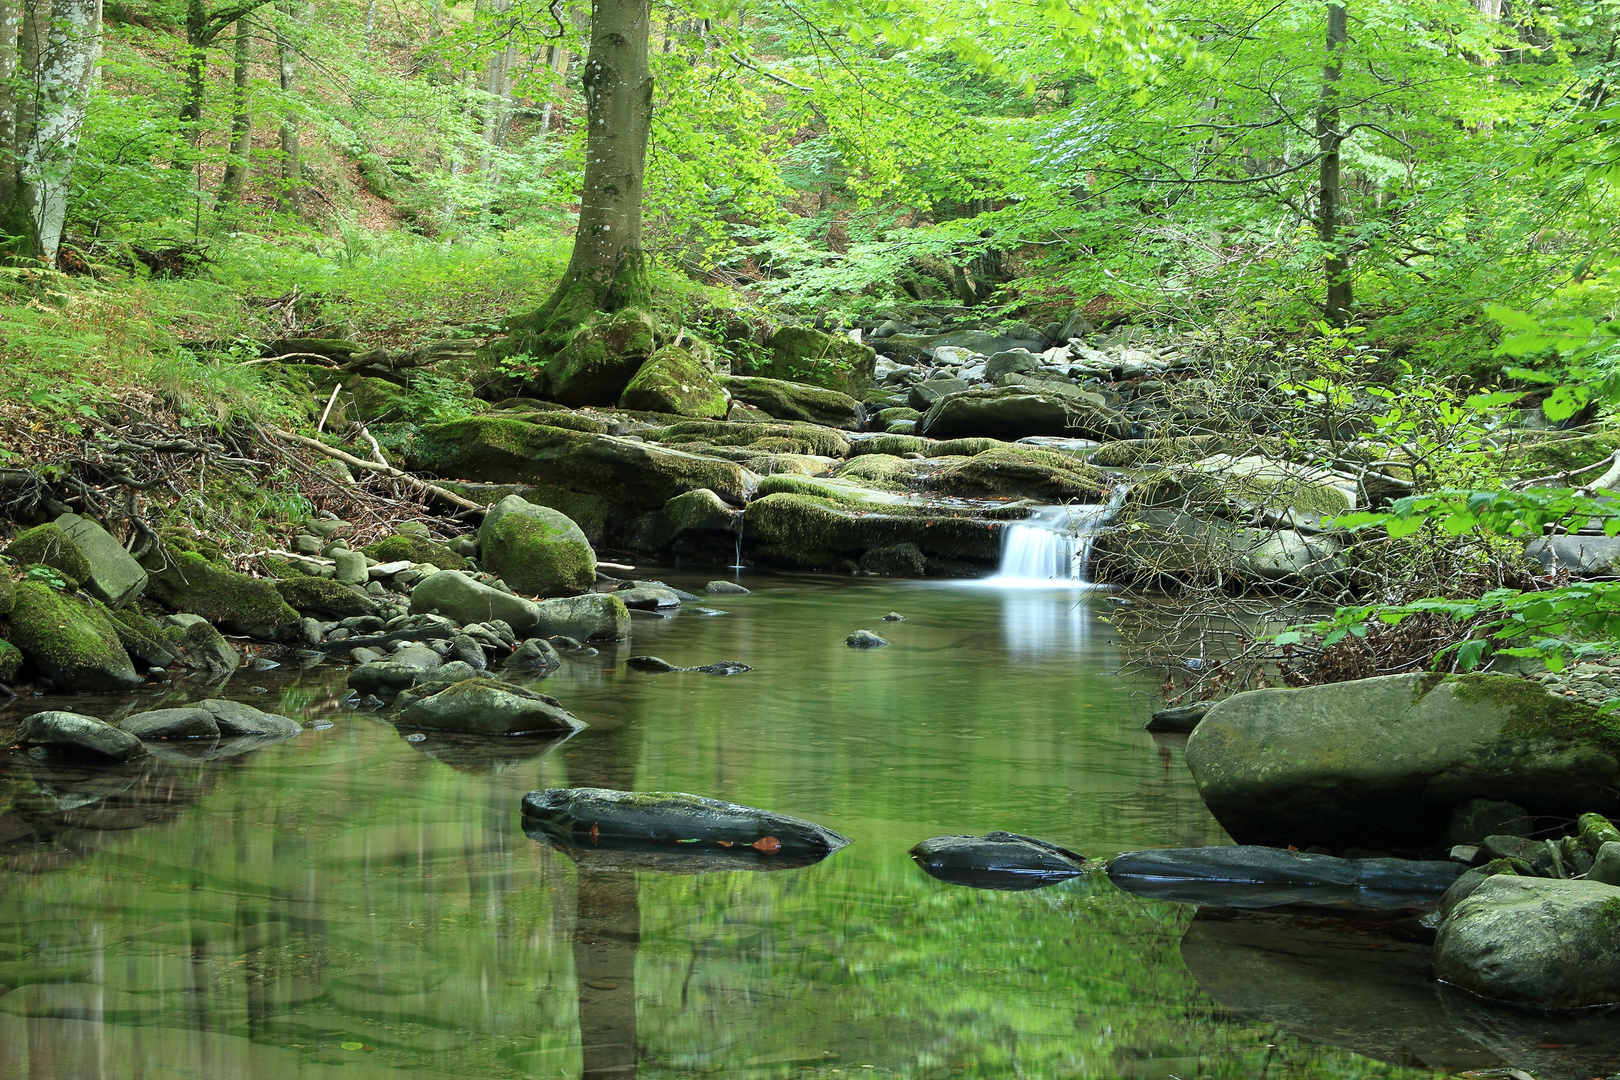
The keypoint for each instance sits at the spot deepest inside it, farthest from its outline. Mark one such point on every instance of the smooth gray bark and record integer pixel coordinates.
(63, 74)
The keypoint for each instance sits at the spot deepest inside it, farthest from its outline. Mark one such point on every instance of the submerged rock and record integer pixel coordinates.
(678, 831)
(1384, 761)
(1541, 942)
(997, 860)
(657, 666)
(1260, 877)
(486, 706)
(653, 664)
(70, 733)
(725, 668)
(864, 639)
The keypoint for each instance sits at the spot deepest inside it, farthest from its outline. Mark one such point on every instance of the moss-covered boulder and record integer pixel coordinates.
(590, 511)
(142, 638)
(49, 545)
(1014, 412)
(797, 401)
(378, 399)
(694, 512)
(1383, 762)
(400, 548)
(11, 661)
(188, 581)
(536, 550)
(805, 355)
(71, 642)
(624, 472)
(601, 358)
(814, 532)
(8, 592)
(485, 706)
(326, 597)
(792, 438)
(880, 471)
(673, 381)
(1023, 472)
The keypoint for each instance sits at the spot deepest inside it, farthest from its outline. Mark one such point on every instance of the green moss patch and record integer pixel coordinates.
(673, 381)
(415, 549)
(1022, 471)
(186, 581)
(324, 596)
(72, 641)
(1533, 711)
(788, 438)
(49, 545)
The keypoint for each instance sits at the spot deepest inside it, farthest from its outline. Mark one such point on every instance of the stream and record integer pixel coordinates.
(354, 904)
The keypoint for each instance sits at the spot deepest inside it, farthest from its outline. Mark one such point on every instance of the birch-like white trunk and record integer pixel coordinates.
(61, 94)
(10, 29)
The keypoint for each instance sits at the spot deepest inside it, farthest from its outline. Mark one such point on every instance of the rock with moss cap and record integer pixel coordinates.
(142, 638)
(1250, 488)
(601, 358)
(459, 598)
(71, 642)
(789, 438)
(673, 381)
(797, 401)
(833, 361)
(8, 591)
(11, 661)
(326, 597)
(111, 574)
(592, 617)
(626, 473)
(1014, 412)
(486, 706)
(1023, 472)
(183, 578)
(536, 550)
(416, 549)
(1382, 762)
(49, 545)
(813, 532)
(693, 513)
(880, 471)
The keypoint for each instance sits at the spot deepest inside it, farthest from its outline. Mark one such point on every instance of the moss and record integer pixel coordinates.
(673, 381)
(327, 597)
(889, 416)
(11, 661)
(378, 399)
(569, 421)
(1555, 452)
(966, 447)
(415, 549)
(808, 356)
(1597, 830)
(797, 464)
(536, 550)
(187, 581)
(789, 438)
(72, 641)
(894, 446)
(1533, 711)
(49, 545)
(8, 593)
(796, 401)
(601, 357)
(791, 484)
(1017, 470)
(880, 470)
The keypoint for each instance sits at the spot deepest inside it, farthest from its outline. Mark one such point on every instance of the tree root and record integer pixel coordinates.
(386, 470)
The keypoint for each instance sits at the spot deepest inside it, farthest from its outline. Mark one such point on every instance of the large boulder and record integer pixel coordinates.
(777, 439)
(72, 642)
(1014, 412)
(817, 533)
(1383, 762)
(114, 577)
(830, 360)
(49, 545)
(73, 734)
(592, 617)
(1022, 471)
(1538, 942)
(797, 401)
(672, 381)
(535, 549)
(600, 359)
(326, 597)
(485, 706)
(459, 598)
(696, 512)
(623, 472)
(182, 577)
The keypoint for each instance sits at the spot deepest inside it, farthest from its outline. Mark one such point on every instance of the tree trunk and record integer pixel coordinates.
(371, 24)
(557, 60)
(61, 92)
(236, 169)
(1337, 261)
(292, 167)
(191, 109)
(10, 58)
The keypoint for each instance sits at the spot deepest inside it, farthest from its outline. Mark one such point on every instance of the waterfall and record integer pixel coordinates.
(1053, 545)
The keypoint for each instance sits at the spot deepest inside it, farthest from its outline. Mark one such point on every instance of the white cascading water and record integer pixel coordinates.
(1053, 545)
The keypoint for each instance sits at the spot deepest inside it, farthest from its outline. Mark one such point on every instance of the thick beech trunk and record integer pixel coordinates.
(292, 166)
(1336, 264)
(236, 169)
(60, 56)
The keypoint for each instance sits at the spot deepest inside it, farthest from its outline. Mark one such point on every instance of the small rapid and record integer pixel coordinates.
(1052, 547)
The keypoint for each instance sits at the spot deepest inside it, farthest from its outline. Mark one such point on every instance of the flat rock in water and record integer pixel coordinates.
(1261, 877)
(722, 668)
(648, 598)
(485, 706)
(71, 733)
(864, 639)
(725, 588)
(1180, 720)
(997, 860)
(672, 831)
(171, 724)
(651, 663)
(235, 718)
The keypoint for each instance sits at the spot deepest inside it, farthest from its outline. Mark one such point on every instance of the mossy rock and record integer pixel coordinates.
(399, 548)
(1024, 472)
(1237, 488)
(590, 512)
(1552, 452)
(379, 399)
(880, 470)
(11, 661)
(325, 596)
(797, 401)
(601, 358)
(795, 464)
(8, 592)
(536, 550)
(187, 581)
(624, 473)
(71, 641)
(694, 512)
(895, 446)
(49, 545)
(791, 438)
(818, 533)
(806, 355)
(142, 638)
(674, 381)
(565, 419)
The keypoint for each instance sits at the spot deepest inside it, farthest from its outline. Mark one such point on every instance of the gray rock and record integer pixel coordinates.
(388, 569)
(115, 577)
(486, 706)
(1013, 360)
(895, 560)
(725, 588)
(894, 616)
(1015, 412)
(1179, 720)
(1539, 942)
(924, 394)
(535, 654)
(864, 639)
(592, 617)
(455, 671)
(70, 733)
(654, 664)
(309, 630)
(235, 718)
(351, 567)
(1383, 761)
(207, 650)
(455, 595)
(1247, 876)
(1176, 544)
(468, 651)
(171, 724)
(723, 668)
(384, 678)
(997, 860)
(1606, 867)
(1582, 556)
(648, 598)
(1474, 820)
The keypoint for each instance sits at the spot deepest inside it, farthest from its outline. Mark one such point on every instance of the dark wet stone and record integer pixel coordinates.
(672, 831)
(1180, 720)
(1262, 877)
(171, 724)
(722, 668)
(563, 642)
(864, 639)
(535, 654)
(236, 718)
(894, 616)
(70, 733)
(997, 860)
(650, 664)
(725, 588)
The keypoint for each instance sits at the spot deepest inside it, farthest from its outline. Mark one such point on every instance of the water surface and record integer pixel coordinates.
(354, 904)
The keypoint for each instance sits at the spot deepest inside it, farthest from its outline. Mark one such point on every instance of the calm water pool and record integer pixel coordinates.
(353, 904)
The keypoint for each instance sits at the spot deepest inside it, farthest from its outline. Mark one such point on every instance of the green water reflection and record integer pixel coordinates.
(353, 904)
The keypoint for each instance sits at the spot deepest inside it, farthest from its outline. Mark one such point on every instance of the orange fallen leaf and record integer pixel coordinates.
(724, 843)
(768, 845)
(595, 832)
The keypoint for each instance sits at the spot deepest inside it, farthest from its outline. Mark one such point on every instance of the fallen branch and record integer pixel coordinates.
(387, 470)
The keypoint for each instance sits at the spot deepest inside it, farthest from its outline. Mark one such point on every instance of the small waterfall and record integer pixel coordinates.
(1053, 545)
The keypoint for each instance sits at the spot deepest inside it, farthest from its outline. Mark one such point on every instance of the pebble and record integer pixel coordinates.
(894, 616)
(864, 639)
